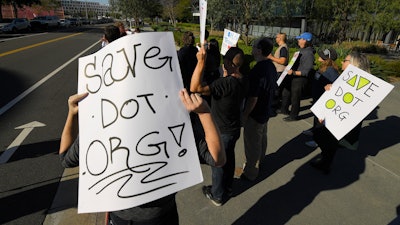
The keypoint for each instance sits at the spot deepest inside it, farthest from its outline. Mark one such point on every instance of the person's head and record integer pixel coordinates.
(326, 54)
(327, 57)
(304, 40)
(262, 47)
(356, 59)
(137, 30)
(111, 33)
(213, 43)
(233, 60)
(188, 38)
(121, 27)
(280, 38)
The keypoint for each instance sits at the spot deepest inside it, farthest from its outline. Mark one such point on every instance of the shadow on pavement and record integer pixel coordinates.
(280, 205)
(292, 150)
(32, 200)
(11, 85)
(36, 150)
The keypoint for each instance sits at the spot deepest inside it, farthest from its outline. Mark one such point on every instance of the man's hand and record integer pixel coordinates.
(201, 55)
(73, 102)
(328, 87)
(194, 102)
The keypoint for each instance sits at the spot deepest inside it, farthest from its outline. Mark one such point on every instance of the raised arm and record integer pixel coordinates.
(70, 131)
(195, 103)
(196, 85)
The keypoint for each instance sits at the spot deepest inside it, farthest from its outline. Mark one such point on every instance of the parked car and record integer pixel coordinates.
(65, 23)
(75, 22)
(45, 22)
(16, 25)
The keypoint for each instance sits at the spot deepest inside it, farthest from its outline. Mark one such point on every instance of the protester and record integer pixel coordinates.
(280, 60)
(327, 74)
(136, 30)
(262, 85)
(213, 62)
(324, 138)
(121, 28)
(227, 93)
(111, 33)
(296, 82)
(164, 210)
(187, 58)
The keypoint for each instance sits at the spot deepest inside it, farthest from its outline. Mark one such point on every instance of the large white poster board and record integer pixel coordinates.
(287, 68)
(230, 39)
(352, 97)
(136, 139)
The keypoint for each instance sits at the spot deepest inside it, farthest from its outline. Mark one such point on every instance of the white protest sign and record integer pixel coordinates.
(287, 68)
(230, 39)
(136, 139)
(353, 95)
(203, 16)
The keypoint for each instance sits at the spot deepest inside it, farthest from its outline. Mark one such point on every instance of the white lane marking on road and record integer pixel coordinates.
(40, 82)
(27, 128)
(25, 36)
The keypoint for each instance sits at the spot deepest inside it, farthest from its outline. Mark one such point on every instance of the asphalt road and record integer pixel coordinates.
(38, 71)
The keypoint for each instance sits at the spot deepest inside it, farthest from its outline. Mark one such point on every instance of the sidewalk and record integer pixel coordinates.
(362, 188)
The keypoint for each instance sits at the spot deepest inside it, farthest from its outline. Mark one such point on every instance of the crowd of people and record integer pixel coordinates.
(222, 100)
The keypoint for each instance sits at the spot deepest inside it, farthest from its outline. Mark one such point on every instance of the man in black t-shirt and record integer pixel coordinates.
(262, 84)
(227, 93)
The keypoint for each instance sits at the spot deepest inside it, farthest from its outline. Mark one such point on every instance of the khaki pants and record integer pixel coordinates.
(255, 146)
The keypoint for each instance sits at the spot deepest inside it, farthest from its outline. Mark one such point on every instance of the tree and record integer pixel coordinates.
(153, 8)
(249, 12)
(216, 13)
(170, 9)
(184, 10)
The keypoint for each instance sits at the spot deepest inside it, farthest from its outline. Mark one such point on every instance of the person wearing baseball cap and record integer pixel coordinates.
(306, 36)
(296, 81)
(327, 73)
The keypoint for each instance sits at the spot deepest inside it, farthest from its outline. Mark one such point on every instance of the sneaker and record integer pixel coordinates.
(208, 194)
(245, 178)
(308, 133)
(280, 111)
(228, 192)
(311, 144)
(321, 165)
(290, 119)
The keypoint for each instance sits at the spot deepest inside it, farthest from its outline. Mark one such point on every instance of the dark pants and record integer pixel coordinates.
(291, 95)
(170, 218)
(222, 177)
(277, 96)
(327, 143)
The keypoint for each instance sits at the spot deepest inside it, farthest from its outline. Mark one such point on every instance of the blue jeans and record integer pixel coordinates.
(222, 177)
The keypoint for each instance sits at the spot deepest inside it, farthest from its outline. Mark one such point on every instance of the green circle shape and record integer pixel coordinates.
(330, 104)
(348, 98)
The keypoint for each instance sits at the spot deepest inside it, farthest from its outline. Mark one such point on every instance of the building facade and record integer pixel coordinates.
(69, 8)
(84, 8)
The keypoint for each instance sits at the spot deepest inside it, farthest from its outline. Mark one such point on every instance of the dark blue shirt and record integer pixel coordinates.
(262, 84)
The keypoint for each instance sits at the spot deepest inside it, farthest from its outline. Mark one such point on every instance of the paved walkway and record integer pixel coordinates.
(363, 187)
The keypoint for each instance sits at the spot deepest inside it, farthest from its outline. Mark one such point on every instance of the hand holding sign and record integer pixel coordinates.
(136, 140)
(288, 68)
(351, 98)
